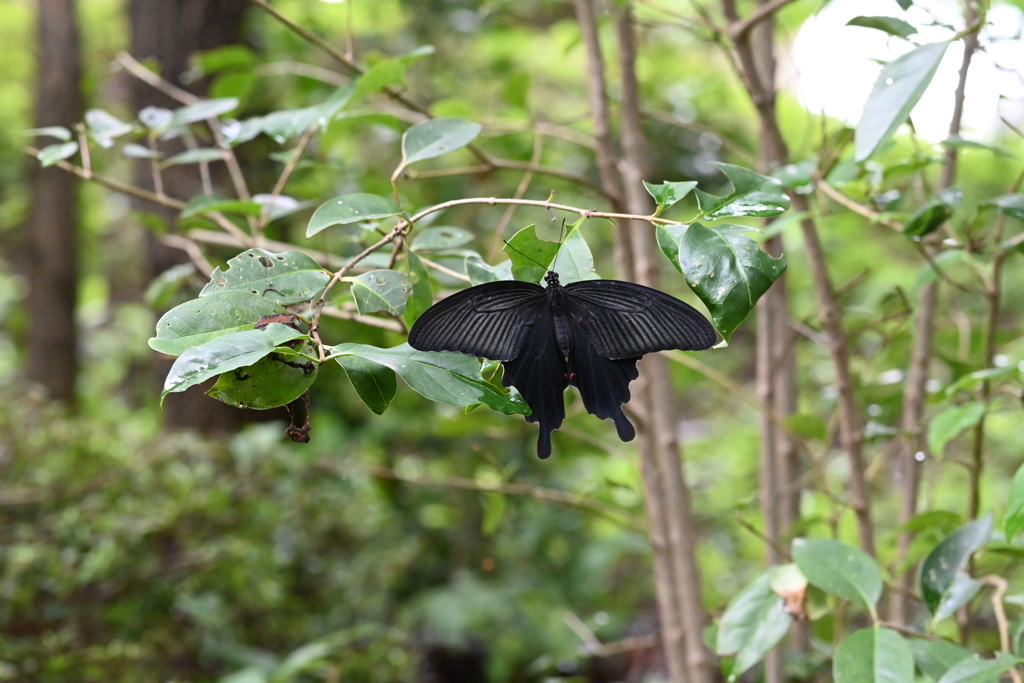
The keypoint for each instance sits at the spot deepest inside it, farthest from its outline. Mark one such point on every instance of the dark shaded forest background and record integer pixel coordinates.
(195, 542)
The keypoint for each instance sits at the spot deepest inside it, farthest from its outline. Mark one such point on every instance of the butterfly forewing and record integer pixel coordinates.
(489, 320)
(626, 320)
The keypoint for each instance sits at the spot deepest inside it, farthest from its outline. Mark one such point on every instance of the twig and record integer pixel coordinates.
(293, 161)
(737, 29)
(195, 254)
(383, 323)
(554, 496)
(223, 240)
(587, 213)
(1000, 585)
(83, 148)
(441, 269)
(856, 207)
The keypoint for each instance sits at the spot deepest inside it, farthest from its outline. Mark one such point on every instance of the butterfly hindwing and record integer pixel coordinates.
(603, 383)
(626, 320)
(489, 320)
(539, 373)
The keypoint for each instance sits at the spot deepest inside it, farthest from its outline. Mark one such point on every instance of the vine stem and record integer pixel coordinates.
(586, 213)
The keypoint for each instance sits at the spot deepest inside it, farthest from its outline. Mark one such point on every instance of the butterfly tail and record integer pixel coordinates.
(539, 373)
(603, 383)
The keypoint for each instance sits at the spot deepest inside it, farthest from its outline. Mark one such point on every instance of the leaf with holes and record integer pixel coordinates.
(381, 290)
(724, 267)
(287, 278)
(436, 137)
(839, 569)
(873, 655)
(270, 382)
(753, 195)
(755, 620)
(940, 567)
(375, 383)
(351, 208)
(452, 378)
(200, 320)
(224, 354)
(898, 89)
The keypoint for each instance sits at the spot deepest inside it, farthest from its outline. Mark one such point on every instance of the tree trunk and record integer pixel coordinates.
(52, 271)
(170, 32)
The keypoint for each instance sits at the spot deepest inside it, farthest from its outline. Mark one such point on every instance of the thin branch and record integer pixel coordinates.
(576, 501)
(441, 269)
(524, 185)
(223, 240)
(1000, 584)
(195, 254)
(383, 323)
(856, 207)
(737, 29)
(293, 161)
(586, 213)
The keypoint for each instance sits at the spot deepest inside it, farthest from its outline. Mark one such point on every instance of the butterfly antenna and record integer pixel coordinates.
(524, 255)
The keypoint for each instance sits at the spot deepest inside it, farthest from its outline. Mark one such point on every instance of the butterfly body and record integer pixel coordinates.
(589, 334)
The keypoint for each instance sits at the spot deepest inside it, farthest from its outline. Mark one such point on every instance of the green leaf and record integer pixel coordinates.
(905, 4)
(939, 569)
(452, 378)
(890, 25)
(724, 267)
(531, 256)
(667, 194)
(935, 657)
(133, 151)
(202, 203)
(959, 593)
(753, 195)
(873, 655)
(934, 212)
(979, 670)
(422, 296)
(200, 320)
(226, 58)
(375, 383)
(952, 422)
(195, 156)
(1010, 204)
(381, 290)
(436, 137)
(1014, 519)
(480, 271)
(157, 119)
(755, 620)
(59, 132)
(351, 208)
(51, 154)
(201, 111)
(387, 72)
(957, 142)
(441, 238)
(223, 354)
(103, 127)
(270, 382)
(839, 569)
(287, 278)
(165, 286)
(574, 261)
(898, 88)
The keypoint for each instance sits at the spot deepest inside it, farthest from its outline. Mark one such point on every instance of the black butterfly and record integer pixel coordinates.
(589, 334)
